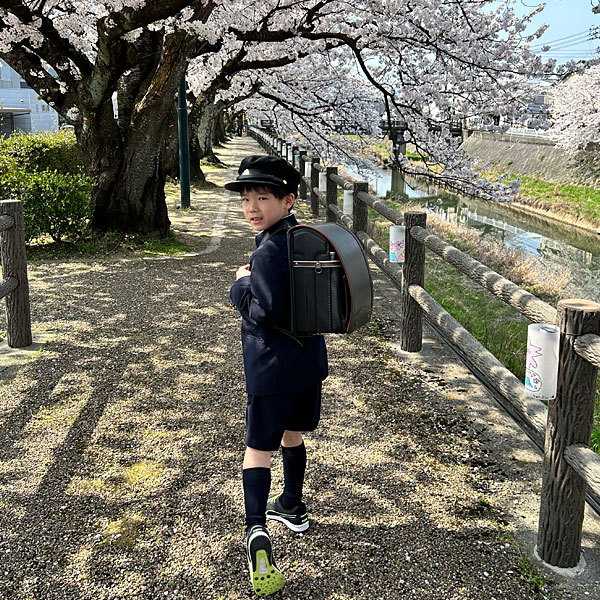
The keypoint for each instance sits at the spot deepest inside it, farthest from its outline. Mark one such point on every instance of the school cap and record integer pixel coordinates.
(266, 170)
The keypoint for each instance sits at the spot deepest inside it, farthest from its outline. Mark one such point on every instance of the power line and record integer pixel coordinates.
(569, 41)
(586, 33)
(565, 46)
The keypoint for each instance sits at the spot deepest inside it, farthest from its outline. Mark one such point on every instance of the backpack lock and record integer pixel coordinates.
(317, 265)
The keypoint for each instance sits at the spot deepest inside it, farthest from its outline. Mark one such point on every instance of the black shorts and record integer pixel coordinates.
(267, 417)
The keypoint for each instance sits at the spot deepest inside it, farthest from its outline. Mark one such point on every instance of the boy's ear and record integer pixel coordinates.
(290, 199)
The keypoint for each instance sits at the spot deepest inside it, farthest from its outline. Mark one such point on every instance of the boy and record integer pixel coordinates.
(283, 373)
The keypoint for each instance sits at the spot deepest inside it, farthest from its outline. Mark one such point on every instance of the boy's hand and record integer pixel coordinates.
(242, 272)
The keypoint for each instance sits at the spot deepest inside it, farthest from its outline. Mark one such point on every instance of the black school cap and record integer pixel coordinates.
(260, 169)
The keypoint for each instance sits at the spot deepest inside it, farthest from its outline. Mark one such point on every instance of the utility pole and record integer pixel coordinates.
(184, 149)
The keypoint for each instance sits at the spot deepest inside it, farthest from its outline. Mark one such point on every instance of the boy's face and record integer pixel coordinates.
(263, 209)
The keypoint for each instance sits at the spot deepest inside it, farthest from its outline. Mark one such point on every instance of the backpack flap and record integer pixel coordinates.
(330, 282)
(356, 269)
(319, 297)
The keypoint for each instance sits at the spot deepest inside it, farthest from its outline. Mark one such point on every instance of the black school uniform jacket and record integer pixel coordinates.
(274, 363)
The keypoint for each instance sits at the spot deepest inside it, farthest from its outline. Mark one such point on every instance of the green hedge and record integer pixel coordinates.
(54, 204)
(44, 151)
(45, 172)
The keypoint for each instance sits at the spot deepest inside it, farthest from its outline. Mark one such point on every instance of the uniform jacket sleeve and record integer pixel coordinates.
(260, 298)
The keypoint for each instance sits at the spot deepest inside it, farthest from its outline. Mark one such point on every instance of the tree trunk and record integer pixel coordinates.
(219, 135)
(169, 155)
(196, 173)
(130, 193)
(126, 157)
(202, 117)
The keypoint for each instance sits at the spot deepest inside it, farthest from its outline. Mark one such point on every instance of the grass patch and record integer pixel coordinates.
(146, 473)
(124, 532)
(584, 201)
(168, 246)
(571, 202)
(500, 328)
(527, 571)
(530, 575)
(113, 244)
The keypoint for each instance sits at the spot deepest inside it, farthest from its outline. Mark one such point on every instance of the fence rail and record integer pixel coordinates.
(15, 286)
(588, 347)
(563, 429)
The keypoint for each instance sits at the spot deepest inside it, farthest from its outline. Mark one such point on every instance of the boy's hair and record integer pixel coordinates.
(278, 192)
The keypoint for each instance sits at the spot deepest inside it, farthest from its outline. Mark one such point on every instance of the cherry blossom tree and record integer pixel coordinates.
(93, 49)
(576, 112)
(431, 64)
(425, 59)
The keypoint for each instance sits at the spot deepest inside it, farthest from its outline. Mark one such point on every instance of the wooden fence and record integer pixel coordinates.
(570, 468)
(14, 285)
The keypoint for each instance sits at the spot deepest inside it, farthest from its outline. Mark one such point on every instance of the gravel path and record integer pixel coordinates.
(121, 448)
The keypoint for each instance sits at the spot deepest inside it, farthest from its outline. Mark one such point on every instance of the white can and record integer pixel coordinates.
(541, 368)
(348, 202)
(397, 243)
(323, 181)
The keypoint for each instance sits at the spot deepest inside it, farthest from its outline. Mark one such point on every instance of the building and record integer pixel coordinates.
(20, 107)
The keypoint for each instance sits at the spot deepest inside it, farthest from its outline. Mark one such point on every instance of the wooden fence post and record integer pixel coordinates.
(570, 421)
(359, 208)
(302, 190)
(331, 193)
(14, 266)
(413, 273)
(314, 183)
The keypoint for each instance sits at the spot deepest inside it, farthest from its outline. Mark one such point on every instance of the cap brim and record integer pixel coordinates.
(241, 182)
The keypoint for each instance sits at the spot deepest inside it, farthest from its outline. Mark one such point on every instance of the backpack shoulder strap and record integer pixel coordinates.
(280, 226)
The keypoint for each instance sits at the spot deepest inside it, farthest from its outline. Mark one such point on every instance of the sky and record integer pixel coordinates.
(569, 28)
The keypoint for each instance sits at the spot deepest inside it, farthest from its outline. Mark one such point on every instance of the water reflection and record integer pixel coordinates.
(553, 243)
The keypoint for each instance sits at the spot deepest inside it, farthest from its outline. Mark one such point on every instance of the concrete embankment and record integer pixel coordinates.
(529, 155)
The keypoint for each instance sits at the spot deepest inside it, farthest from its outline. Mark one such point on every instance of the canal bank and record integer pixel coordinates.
(529, 154)
(557, 245)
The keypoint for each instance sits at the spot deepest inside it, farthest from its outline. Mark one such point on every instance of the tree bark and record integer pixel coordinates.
(202, 117)
(219, 135)
(130, 157)
(129, 195)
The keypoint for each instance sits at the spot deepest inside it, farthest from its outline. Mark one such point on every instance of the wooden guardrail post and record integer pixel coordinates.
(331, 193)
(359, 208)
(413, 272)
(314, 183)
(301, 160)
(14, 270)
(570, 421)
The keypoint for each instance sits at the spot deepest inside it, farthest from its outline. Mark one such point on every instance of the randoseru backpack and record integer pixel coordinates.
(331, 288)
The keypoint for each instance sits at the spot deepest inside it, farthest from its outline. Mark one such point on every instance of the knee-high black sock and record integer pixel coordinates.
(294, 467)
(257, 482)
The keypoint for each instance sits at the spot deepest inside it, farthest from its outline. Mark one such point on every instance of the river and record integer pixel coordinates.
(551, 242)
